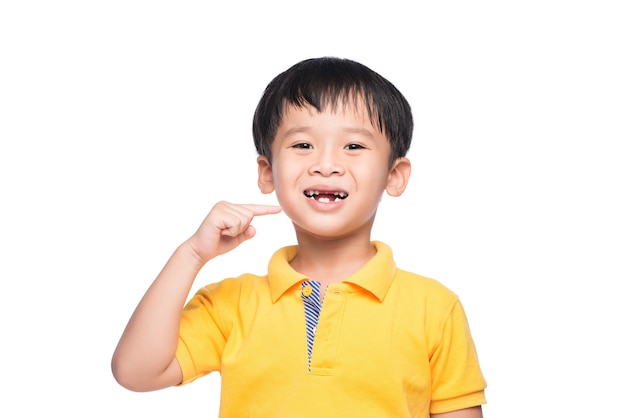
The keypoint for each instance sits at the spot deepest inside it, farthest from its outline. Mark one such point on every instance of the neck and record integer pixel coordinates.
(331, 260)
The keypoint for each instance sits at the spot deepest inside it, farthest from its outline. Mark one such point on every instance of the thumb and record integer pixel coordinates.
(248, 233)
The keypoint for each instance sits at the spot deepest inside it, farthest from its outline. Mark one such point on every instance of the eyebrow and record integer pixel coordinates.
(300, 129)
(293, 131)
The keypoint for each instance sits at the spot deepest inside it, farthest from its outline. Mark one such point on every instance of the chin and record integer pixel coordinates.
(329, 233)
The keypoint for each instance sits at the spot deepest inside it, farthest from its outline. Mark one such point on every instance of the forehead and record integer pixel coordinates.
(309, 119)
(349, 107)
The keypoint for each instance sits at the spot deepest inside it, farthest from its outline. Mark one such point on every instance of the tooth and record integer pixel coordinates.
(323, 200)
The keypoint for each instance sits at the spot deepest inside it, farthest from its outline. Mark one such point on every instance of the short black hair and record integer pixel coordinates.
(327, 81)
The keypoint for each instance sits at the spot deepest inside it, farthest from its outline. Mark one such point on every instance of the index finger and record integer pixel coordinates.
(259, 210)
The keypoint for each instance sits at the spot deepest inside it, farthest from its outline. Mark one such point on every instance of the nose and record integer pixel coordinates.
(326, 163)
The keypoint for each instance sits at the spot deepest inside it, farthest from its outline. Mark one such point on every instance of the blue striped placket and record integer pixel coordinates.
(312, 307)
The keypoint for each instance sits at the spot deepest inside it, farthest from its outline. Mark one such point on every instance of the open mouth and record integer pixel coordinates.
(325, 196)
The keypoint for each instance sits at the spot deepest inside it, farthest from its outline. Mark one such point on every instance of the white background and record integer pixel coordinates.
(123, 122)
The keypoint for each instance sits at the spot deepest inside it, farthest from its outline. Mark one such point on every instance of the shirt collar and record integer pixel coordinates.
(375, 276)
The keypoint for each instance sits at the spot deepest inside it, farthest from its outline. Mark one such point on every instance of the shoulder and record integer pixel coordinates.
(423, 292)
(235, 285)
(427, 285)
(418, 280)
(231, 291)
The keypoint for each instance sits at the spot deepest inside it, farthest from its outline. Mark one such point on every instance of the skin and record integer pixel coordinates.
(330, 152)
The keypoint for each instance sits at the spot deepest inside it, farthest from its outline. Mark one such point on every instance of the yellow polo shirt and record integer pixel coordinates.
(388, 343)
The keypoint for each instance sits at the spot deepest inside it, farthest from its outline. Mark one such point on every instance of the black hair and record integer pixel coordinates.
(328, 81)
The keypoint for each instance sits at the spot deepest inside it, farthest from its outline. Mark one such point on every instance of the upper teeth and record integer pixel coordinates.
(313, 193)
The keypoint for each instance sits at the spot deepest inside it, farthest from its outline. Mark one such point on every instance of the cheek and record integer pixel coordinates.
(374, 182)
(285, 174)
(284, 186)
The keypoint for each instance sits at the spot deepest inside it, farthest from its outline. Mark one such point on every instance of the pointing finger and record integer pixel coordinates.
(259, 210)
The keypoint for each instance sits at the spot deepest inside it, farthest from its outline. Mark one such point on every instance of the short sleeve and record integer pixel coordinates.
(201, 336)
(457, 381)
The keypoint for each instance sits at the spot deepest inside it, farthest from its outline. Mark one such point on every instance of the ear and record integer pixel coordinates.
(266, 178)
(398, 177)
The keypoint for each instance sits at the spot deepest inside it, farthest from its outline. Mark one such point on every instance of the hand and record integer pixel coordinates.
(226, 226)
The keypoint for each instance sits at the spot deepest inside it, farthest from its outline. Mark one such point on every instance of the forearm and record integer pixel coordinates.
(144, 357)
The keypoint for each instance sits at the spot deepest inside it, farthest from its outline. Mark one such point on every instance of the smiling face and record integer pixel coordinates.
(329, 170)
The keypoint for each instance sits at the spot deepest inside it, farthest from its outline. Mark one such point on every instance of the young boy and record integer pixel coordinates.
(334, 329)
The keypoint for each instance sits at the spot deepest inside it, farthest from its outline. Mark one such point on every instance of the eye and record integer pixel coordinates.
(354, 147)
(302, 145)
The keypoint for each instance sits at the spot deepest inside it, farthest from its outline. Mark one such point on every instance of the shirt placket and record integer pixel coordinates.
(312, 307)
(325, 329)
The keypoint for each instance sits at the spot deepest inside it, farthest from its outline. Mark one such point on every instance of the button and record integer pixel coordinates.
(307, 290)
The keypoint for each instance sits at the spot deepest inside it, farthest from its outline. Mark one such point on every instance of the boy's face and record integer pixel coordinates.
(330, 169)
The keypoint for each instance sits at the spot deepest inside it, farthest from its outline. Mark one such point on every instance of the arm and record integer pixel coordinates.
(144, 359)
(475, 412)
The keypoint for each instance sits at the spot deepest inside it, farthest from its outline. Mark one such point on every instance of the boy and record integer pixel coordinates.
(333, 329)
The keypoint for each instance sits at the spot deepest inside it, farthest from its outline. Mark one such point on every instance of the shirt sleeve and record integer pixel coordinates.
(201, 336)
(457, 381)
